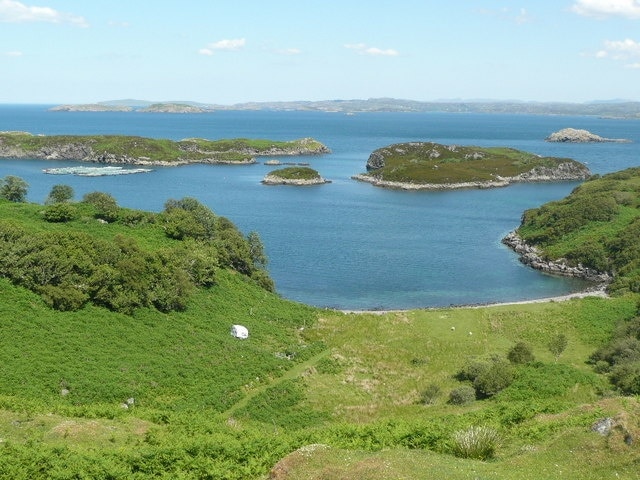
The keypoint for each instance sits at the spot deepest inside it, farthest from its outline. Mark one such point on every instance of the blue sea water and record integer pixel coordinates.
(347, 244)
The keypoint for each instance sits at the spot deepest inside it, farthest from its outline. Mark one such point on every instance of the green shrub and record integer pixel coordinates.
(497, 377)
(431, 394)
(478, 443)
(626, 377)
(106, 206)
(60, 212)
(463, 395)
(520, 353)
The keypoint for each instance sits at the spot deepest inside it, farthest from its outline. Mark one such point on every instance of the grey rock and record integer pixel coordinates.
(573, 135)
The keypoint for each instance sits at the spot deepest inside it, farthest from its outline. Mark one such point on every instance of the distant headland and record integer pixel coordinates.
(613, 109)
(432, 166)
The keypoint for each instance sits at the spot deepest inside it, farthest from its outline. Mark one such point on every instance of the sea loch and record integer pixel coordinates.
(347, 244)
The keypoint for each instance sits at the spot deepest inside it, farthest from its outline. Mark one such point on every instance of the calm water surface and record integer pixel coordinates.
(347, 244)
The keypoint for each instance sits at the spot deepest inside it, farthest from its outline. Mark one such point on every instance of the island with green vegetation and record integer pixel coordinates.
(432, 166)
(125, 149)
(300, 176)
(173, 108)
(119, 360)
(594, 233)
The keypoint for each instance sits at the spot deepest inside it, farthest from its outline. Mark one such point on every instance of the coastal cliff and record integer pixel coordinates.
(432, 166)
(120, 149)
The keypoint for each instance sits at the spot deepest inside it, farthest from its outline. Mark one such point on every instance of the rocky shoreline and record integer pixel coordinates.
(276, 180)
(188, 151)
(530, 256)
(563, 172)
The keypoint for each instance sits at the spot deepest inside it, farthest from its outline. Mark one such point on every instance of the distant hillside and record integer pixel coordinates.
(618, 109)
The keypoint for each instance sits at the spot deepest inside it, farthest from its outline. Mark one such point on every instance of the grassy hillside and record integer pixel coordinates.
(432, 163)
(597, 225)
(96, 393)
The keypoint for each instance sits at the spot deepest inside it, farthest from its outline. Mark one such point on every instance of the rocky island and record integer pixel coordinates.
(91, 107)
(173, 108)
(124, 149)
(573, 135)
(299, 176)
(432, 166)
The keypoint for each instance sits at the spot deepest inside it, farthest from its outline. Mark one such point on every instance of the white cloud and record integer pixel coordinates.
(606, 8)
(619, 49)
(633, 65)
(223, 45)
(12, 11)
(14, 53)
(363, 49)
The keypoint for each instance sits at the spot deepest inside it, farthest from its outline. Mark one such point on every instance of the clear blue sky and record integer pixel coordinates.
(230, 51)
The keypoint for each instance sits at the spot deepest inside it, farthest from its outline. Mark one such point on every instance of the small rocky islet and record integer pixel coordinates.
(433, 166)
(298, 176)
(575, 135)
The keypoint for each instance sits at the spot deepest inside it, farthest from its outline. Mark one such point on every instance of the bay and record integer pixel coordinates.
(347, 244)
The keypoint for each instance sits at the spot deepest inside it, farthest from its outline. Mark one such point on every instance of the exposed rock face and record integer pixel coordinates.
(568, 171)
(530, 256)
(573, 135)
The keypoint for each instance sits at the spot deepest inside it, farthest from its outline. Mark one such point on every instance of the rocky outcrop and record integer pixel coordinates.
(573, 135)
(378, 182)
(567, 171)
(531, 256)
(299, 182)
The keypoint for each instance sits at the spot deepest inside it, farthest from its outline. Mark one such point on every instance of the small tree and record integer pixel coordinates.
(520, 353)
(60, 194)
(13, 188)
(558, 344)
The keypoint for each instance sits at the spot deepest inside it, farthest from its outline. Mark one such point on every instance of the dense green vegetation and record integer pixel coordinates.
(296, 173)
(503, 392)
(141, 149)
(70, 267)
(432, 163)
(597, 225)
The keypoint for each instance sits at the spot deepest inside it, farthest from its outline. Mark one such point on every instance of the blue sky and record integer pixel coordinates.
(230, 51)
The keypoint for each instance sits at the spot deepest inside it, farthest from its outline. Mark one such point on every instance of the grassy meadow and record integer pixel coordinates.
(96, 393)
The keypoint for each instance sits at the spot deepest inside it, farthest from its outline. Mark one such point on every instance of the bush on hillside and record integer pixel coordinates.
(60, 212)
(463, 395)
(621, 357)
(106, 206)
(520, 353)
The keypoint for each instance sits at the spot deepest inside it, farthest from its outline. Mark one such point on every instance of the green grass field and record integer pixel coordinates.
(311, 394)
